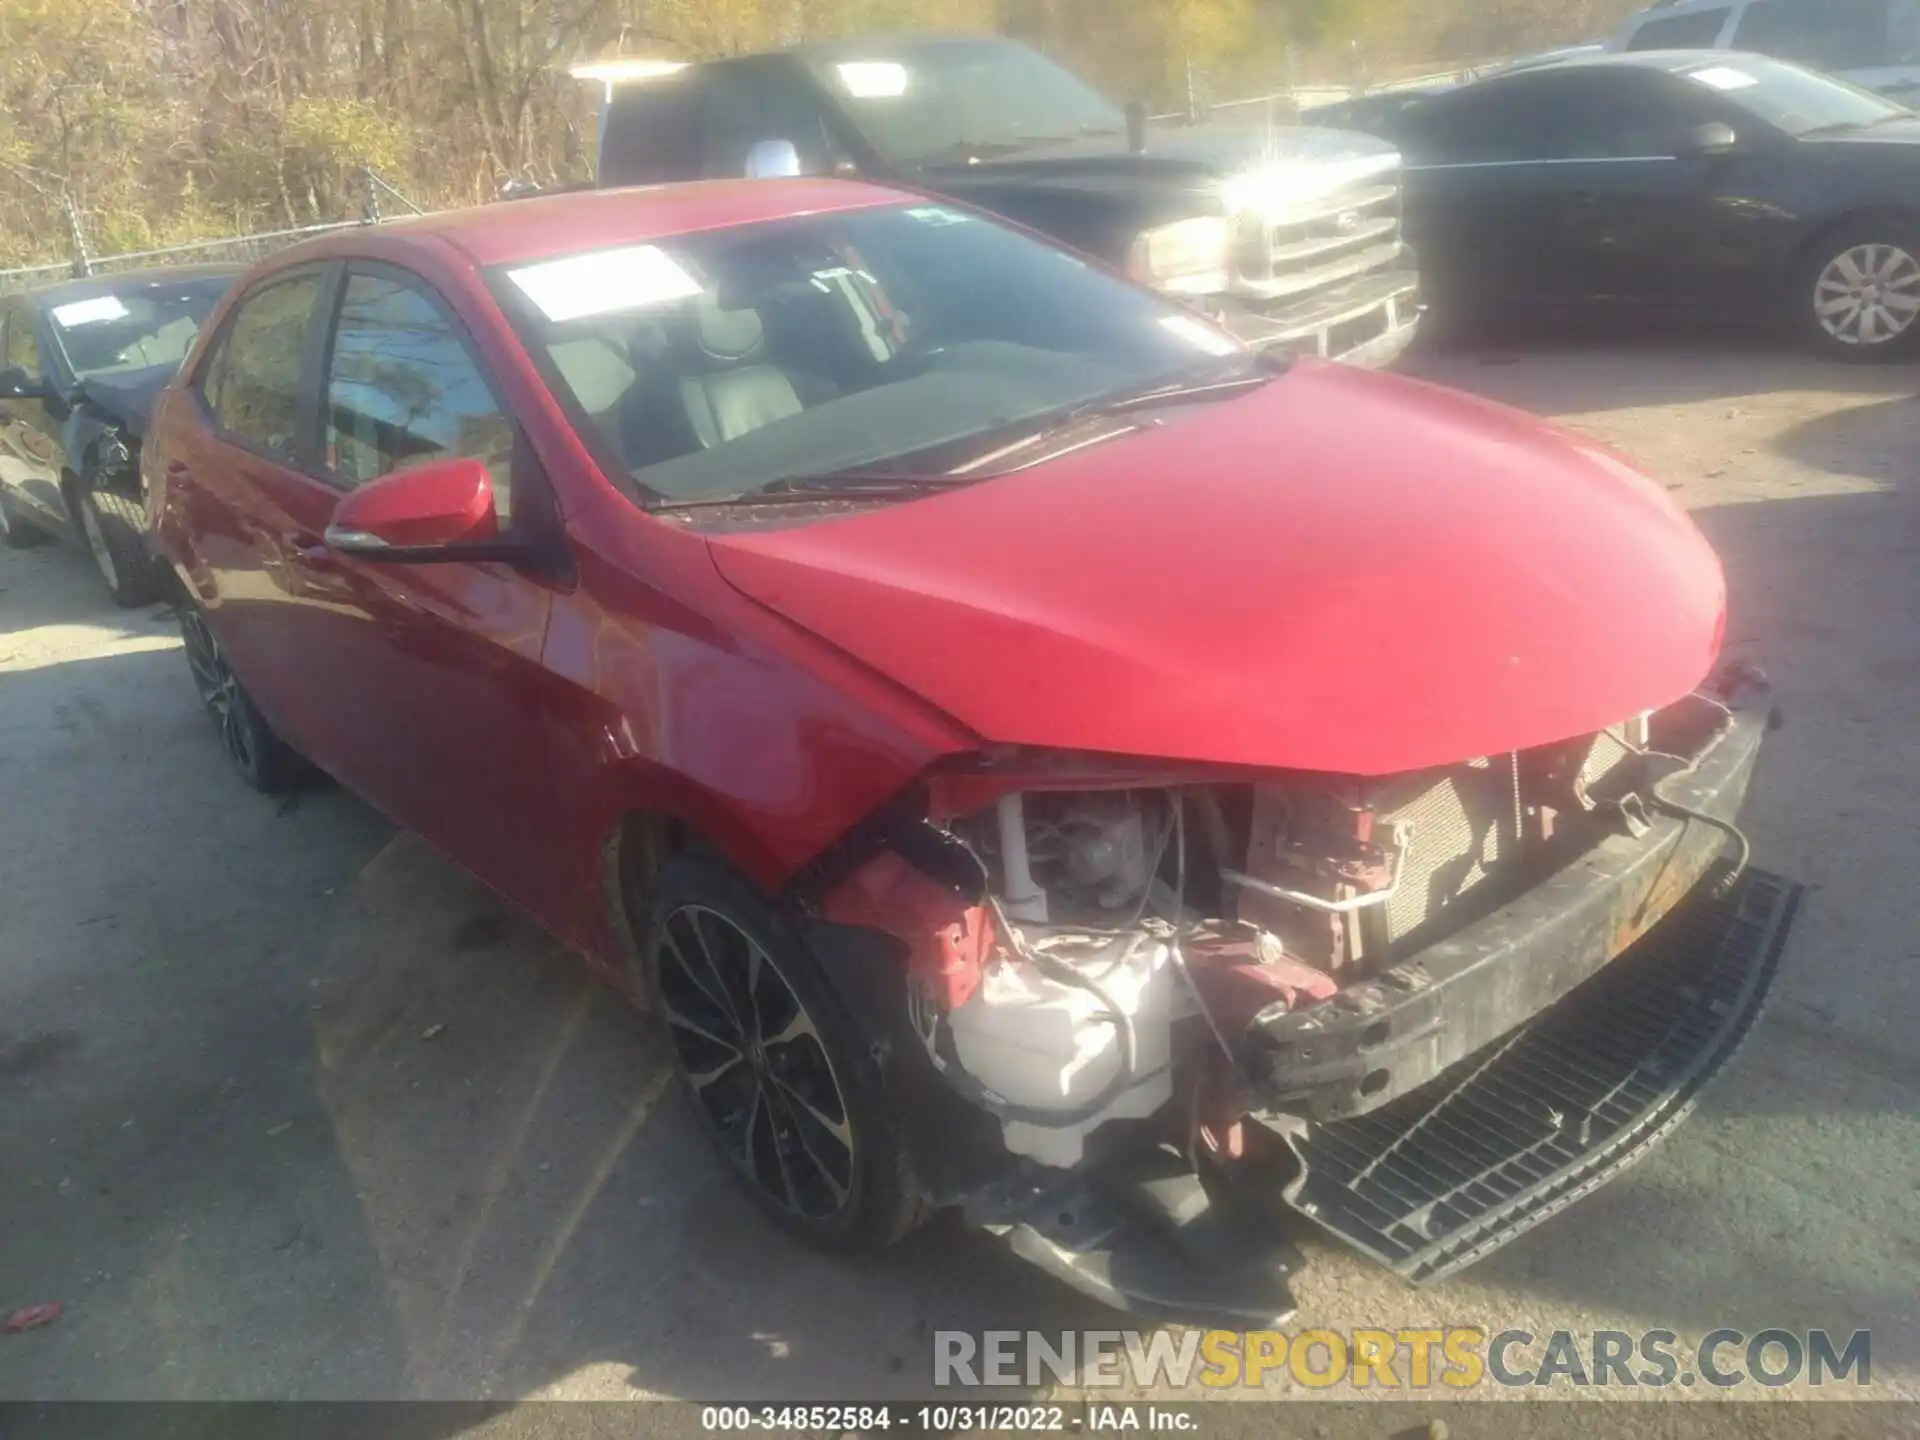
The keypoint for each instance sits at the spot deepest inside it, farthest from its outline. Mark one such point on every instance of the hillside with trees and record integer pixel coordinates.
(169, 120)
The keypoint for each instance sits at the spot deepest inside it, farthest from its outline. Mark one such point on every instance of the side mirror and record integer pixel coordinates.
(1716, 137)
(16, 384)
(773, 160)
(442, 510)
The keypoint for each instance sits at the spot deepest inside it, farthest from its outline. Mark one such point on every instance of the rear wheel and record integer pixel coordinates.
(1857, 296)
(110, 522)
(264, 760)
(16, 533)
(775, 1070)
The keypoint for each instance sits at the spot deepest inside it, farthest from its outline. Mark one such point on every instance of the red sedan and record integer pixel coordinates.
(1029, 752)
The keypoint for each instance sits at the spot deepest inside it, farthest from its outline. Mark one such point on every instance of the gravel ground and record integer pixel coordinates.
(290, 1107)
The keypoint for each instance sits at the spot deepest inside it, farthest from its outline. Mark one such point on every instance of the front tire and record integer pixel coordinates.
(110, 524)
(265, 761)
(1857, 292)
(776, 1072)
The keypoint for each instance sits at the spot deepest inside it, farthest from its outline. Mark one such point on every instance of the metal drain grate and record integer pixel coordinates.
(1451, 1172)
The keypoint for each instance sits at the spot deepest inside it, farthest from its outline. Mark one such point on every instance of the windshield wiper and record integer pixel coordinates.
(1847, 127)
(833, 485)
(1031, 450)
(1262, 368)
(856, 483)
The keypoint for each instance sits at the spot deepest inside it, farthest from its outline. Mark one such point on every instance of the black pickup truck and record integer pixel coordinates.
(1289, 235)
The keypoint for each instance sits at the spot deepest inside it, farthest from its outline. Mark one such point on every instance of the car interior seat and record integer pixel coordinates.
(732, 388)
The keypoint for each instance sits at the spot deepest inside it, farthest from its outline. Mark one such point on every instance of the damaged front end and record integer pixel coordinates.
(1147, 1008)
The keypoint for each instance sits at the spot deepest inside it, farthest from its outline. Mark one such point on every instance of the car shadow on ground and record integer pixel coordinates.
(55, 584)
(547, 1202)
(308, 1112)
(1784, 1201)
(291, 1106)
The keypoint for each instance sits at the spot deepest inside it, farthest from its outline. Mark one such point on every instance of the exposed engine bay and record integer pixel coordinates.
(1115, 919)
(1104, 958)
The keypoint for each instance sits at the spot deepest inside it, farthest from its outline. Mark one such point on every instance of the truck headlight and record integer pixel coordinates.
(1188, 257)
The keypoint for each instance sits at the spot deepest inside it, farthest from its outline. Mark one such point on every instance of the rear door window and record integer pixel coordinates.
(1697, 30)
(252, 383)
(1605, 113)
(1613, 114)
(402, 388)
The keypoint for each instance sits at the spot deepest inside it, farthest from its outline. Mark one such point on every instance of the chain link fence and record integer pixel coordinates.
(1282, 106)
(230, 250)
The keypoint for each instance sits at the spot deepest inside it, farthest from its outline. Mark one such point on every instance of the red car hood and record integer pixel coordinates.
(1343, 571)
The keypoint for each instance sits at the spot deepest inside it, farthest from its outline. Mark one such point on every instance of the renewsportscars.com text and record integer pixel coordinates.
(1457, 1359)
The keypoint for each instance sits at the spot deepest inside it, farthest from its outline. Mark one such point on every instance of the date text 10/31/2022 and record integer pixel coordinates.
(946, 1419)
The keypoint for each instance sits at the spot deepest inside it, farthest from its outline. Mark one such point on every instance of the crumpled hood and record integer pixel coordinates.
(128, 398)
(1342, 571)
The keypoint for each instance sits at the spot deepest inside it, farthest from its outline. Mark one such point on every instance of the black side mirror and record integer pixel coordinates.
(1716, 137)
(16, 384)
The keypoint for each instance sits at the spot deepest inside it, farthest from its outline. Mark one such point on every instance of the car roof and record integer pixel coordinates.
(63, 291)
(545, 226)
(1647, 59)
(870, 46)
(1661, 9)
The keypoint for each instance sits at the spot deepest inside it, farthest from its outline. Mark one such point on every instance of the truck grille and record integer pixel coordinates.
(1443, 1176)
(1349, 233)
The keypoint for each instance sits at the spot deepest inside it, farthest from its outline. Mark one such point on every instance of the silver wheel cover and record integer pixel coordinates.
(1868, 295)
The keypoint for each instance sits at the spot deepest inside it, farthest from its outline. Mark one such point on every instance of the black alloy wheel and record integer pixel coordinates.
(264, 760)
(755, 1063)
(771, 1063)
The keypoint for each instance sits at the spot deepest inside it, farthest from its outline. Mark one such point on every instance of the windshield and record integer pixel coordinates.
(954, 100)
(1798, 101)
(723, 363)
(146, 324)
(1836, 35)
